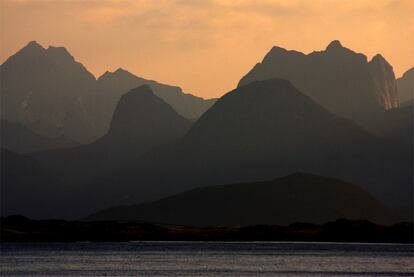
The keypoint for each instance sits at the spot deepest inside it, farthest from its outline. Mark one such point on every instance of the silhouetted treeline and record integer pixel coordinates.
(21, 229)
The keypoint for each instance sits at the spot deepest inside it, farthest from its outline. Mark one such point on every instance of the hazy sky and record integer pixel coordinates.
(205, 46)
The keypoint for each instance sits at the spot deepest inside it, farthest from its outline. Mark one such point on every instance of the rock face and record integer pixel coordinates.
(47, 91)
(337, 78)
(298, 197)
(405, 86)
(384, 81)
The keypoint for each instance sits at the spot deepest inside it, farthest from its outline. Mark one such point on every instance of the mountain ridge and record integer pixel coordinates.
(279, 201)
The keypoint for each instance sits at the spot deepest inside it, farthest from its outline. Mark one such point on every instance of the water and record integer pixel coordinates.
(206, 259)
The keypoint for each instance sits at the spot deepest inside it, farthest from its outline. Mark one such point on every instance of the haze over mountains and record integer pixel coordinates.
(405, 86)
(49, 92)
(296, 198)
(140, 122)
(337, 78)
(330, 113)
(19, 139)
(265, 129)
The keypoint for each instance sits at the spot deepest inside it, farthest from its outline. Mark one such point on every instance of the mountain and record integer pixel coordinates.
(395, 124)
(257, 132)
(112, 85)
(17, 138)
(140, 122)
(337, 78)
(142, 119)
(298, 197)
(384, 80)
(27, 188)
(405, 86)
(47, 91)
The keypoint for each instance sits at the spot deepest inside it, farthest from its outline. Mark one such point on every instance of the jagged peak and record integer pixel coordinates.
(33, 44)
(59, 50)
(277, 49)
(117, 73)
(120, 70)
(60, 54)
(379, 60)
(335, 44)
(32, 47)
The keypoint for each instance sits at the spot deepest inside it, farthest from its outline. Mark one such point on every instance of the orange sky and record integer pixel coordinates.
(205, 46)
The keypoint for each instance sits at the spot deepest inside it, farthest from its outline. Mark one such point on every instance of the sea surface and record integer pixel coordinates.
(206, 259)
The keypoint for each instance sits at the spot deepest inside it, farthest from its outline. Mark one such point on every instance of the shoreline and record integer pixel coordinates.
(21, 229)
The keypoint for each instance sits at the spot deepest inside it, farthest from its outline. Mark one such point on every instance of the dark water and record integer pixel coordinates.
(206, 259)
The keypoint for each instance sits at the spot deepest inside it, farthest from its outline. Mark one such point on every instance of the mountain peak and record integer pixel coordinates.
(59, 50)
(335, 44)
(60, 55)
(120, 70)
(378, 58)
(141, 115)
(276, 49)
(32, 48)
(33, 44)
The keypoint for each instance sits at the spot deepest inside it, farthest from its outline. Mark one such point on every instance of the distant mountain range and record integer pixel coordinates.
(296, 198)
(337, 78)
(330, 113)
(49, 92)
(268, 129)
(256, 132)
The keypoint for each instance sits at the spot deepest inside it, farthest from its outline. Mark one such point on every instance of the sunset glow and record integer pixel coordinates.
(205, 46)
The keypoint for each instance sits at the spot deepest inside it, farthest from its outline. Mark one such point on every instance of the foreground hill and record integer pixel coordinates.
(296, 198)
(17, 138)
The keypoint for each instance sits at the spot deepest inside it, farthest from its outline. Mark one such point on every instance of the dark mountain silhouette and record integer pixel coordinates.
(337, 78)
(17, 138)
(256, 132)
(394, 124)
(296, 198)
(112, 85)
(47, 91)
(144, 120)
(140, 122)
(27, 188)
(405, 86)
